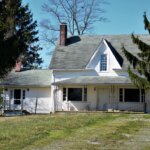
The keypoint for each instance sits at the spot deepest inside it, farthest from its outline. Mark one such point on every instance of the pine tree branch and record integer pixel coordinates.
(141, 45)
(146, 22)
(139, 81)
(134, 61)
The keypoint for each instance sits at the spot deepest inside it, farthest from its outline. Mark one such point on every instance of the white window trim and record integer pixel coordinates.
(107, 67)
(67, 94)
(124, 95)
(13, 90)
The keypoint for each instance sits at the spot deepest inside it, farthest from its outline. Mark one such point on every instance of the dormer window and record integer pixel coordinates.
(103, 62)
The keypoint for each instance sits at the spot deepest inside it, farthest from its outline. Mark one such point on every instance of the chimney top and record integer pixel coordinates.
(63, 34)
(18, 66)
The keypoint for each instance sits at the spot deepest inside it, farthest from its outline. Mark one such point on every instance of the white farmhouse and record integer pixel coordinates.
(85, 73)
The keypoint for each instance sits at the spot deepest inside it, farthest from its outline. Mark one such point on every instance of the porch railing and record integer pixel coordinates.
(32, 105)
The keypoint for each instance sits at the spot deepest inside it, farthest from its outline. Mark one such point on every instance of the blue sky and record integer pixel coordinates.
(125, 17)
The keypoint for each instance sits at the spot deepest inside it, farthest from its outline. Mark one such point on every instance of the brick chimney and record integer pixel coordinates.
(18, 66)
(63, 34)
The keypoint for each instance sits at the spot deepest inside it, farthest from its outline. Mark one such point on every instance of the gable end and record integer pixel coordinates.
(115, 53)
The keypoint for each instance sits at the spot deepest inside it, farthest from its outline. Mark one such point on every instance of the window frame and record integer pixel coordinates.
(103, 63)
(141, 95)
(22, 96)
(65, 96)
(17, 101)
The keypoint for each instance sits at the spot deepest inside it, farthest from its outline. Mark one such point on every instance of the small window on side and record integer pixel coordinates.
(23, 94)
(142, 95)
(121, 95)
(85, 94)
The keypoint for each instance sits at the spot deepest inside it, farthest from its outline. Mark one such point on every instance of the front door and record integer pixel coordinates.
(103, 98)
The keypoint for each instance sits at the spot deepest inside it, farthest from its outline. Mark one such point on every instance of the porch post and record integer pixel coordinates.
(9, 103)
(53, 99)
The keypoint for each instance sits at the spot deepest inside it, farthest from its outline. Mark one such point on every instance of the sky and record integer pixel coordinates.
(124, 17)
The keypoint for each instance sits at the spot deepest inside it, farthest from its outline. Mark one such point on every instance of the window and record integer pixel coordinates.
(85, 94)
(17, 96)
(23, 94)
(121, 95)
(143, 95)
(131, 95)
(75, 94)
(103, 62)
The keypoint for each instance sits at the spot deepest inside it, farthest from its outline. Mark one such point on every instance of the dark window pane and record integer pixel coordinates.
(132, 95)
(17, 94)
(143, 95)
(23, 94)
(17, 102)
(85, 94)
(75, 94)
(121, 95)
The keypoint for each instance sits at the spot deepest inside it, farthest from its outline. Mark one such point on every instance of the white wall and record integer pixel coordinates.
(102, 97)
(36, 100)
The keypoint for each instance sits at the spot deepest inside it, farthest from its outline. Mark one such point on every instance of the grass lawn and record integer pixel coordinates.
(76, 131)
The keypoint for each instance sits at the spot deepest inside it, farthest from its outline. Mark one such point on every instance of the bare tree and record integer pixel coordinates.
(80, 16)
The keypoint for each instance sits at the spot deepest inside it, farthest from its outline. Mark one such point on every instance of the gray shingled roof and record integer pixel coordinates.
(28, 78)
(95, 80)
(80, 49)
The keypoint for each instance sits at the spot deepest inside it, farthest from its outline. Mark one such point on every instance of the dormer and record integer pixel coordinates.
(105, 59)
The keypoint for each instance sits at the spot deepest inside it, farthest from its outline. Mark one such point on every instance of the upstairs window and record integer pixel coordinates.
(103, 62)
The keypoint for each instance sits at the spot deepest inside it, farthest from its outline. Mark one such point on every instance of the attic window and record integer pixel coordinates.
(103, 62)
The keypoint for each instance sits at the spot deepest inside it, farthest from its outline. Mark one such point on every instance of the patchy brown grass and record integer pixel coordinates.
(75, 131)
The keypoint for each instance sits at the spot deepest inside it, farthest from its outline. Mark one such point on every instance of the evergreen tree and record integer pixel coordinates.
(18, 36)
(140, 70)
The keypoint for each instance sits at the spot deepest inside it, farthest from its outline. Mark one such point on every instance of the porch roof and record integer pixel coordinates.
(95, 80)
(27, 78)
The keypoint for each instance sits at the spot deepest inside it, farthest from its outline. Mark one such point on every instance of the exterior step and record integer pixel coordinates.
(9, 113)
